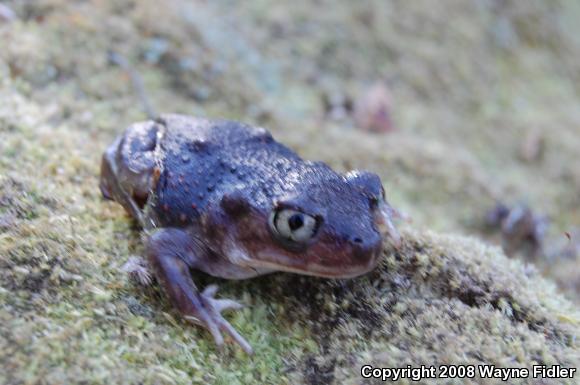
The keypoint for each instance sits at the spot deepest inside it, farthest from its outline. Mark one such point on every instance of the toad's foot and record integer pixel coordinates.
(138, 270)
(209, 315)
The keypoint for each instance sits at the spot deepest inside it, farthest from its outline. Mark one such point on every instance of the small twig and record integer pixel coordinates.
(120, 60)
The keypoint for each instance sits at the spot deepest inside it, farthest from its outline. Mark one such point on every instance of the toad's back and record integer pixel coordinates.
(202, 160)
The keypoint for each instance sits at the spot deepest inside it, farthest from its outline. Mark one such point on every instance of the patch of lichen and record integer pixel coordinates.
(465, 94)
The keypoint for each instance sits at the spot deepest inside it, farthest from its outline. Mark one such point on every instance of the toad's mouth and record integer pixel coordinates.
(318, 270)
(276, 261)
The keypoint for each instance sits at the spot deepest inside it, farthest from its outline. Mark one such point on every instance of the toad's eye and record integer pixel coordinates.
(292, 225)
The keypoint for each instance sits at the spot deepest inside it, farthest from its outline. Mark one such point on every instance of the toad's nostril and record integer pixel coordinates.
(357, 240)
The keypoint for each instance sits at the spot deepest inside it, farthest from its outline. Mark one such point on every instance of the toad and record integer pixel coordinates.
(227, 199)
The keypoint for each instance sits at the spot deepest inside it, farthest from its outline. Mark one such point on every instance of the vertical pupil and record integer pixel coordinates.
(295, 221)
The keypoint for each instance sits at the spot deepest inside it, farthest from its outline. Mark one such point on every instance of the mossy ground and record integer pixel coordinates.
(470, 82)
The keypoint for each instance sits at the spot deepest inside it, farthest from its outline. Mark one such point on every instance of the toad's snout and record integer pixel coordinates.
(366, 250)
(365, 246)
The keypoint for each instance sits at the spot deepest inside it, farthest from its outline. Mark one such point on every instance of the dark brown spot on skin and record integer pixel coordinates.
(193, 206)
(183, 217)
(166, 207)
(235, 204)
(156, 175)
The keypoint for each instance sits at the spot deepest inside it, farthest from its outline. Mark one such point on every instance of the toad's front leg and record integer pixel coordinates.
(169, 251)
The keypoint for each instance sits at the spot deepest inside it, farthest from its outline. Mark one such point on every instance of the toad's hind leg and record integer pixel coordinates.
(127, 168)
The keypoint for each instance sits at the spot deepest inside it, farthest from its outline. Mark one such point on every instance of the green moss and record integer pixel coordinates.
(465, 94)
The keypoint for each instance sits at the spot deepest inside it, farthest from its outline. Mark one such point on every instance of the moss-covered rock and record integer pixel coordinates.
(464, 92)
